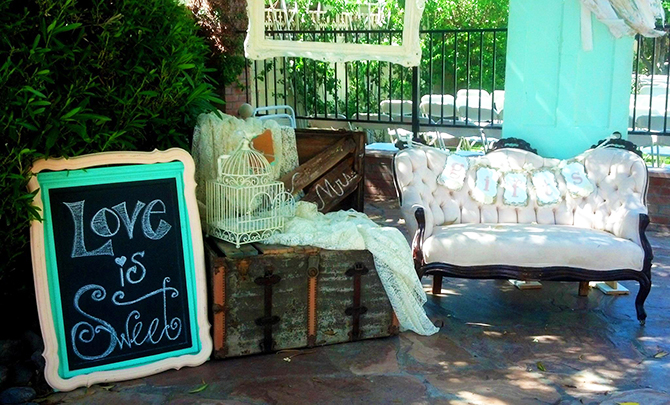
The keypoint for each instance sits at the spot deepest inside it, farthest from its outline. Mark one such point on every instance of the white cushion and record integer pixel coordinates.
(531, 245)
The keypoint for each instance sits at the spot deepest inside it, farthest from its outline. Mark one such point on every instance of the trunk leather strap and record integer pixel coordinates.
(267, 320)
(313, 273)
(357, 309)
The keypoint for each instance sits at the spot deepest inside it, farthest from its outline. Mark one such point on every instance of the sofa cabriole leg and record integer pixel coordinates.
(645, 287)
(437, 284)
(584, 288)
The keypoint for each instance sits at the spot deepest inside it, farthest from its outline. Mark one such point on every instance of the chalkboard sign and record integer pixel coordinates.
(118, 263)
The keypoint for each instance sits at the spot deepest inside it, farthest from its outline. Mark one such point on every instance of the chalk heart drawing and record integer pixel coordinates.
(120, 260)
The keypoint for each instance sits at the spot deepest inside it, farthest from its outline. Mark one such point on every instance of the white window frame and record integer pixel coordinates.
(258, 47)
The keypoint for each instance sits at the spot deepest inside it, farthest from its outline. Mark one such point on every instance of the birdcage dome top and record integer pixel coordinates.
(245, 167)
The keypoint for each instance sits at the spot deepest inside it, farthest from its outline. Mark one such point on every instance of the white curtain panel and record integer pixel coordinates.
(622, 17)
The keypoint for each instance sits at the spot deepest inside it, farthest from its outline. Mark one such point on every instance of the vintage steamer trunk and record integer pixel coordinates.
(265, 298)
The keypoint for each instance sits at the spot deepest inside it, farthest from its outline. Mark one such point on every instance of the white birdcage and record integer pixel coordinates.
(244, 203)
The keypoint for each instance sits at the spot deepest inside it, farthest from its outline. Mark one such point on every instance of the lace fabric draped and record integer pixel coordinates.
(622, 17)
(353, 230)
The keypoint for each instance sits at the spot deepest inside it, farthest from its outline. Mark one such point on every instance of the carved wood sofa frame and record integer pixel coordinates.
(439, 270)
(558, 273)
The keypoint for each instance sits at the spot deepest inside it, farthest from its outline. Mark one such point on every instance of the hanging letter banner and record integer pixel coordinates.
(576, 180)
(546, 188)
(486, 185)
(516, 189)
(453, 174)
(118, 266)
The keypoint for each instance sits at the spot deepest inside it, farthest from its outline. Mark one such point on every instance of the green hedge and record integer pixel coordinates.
(81, 76)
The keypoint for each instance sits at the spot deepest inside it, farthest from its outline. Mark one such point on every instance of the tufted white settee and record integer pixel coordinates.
(597, 237)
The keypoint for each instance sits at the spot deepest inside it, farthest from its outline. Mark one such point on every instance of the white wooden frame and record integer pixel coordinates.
(41, 281)
(258, 47)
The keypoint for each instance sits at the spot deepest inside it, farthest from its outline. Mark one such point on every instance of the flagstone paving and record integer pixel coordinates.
(497, 345)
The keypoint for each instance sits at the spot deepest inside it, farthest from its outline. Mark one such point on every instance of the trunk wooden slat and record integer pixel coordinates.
(332, 168)
(282, 297)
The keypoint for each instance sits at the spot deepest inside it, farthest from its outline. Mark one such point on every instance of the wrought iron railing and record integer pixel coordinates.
(650, 86)
(459, 82)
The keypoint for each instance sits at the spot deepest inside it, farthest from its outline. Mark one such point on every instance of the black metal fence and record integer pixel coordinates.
(648, 106)
(460, 81)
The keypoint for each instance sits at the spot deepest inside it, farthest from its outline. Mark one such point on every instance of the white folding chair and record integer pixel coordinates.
(437, 107)
(396, 108)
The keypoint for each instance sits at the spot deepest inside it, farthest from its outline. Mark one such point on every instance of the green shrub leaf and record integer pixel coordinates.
(149, 93)
(35, 92)
(81, 77)
(71, 113)
(68, 27)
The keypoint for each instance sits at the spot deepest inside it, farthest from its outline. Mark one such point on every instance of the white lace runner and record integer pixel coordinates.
(351, 230)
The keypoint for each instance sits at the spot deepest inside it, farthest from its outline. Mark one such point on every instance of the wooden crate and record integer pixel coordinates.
(265, 298)
(379, 182)
(332, 168)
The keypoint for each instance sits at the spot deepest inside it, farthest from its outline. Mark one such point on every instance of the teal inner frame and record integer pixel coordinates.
(107, 175)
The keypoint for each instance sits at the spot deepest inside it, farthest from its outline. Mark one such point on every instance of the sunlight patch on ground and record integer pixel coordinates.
(610, 373)
(450, 365)
(443, 293)
(472, 398)
(528, 381)
(588, 380)
(485, 325)
(595, 358)
(547, 339)
(654, 339)
(574, 350)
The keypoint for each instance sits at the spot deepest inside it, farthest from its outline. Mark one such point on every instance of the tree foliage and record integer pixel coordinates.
(438, 14)
(459, 14)
(221, 21)
(79, 76)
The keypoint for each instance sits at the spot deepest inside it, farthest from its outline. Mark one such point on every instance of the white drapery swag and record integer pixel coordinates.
(622, 17)
(343, 230)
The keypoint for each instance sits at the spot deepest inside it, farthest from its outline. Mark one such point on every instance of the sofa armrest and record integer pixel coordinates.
(417, 241)
(627, 223)
(411, 203)
(631, 224)
(648, 254)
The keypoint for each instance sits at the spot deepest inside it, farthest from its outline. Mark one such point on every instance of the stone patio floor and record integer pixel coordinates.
(497, 345)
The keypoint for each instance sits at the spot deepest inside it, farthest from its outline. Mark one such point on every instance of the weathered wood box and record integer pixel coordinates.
(265, 298)
(332, 168)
